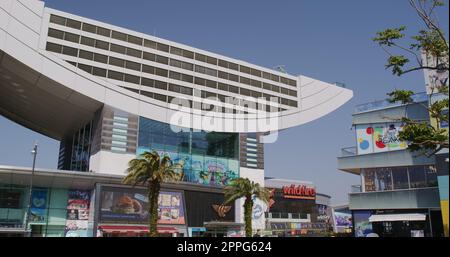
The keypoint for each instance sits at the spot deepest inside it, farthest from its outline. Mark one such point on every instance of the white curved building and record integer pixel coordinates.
(109, 93)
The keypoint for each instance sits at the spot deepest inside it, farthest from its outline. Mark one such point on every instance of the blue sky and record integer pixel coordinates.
(326, 40)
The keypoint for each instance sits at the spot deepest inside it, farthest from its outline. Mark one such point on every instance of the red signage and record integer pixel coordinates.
(299, 192)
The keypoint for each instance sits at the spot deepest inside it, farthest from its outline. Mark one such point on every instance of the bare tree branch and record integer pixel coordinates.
(428, 22)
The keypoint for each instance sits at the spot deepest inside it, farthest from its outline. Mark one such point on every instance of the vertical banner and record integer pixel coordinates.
(77, 213)
(38, 205)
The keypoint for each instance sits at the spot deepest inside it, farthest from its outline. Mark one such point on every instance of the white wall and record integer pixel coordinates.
(259, 207)
(110, 163)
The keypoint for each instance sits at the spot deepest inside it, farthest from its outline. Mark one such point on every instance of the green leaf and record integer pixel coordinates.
(403, 96)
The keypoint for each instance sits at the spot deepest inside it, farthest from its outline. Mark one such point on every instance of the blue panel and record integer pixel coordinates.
(443, 187)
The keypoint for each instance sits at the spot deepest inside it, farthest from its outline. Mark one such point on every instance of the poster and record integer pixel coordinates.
(382, 137)
(119, 205)
(77, 216)
(170, 209)
(363, 227)
(38, 205)
(364, 134)
(342, 219)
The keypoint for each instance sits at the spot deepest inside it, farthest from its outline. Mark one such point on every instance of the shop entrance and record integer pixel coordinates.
(136, 231)
(223, 229)
(401, 228)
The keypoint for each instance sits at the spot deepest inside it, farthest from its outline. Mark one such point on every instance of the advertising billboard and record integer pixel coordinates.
(382, 137)
(130, 205)
(77, 217)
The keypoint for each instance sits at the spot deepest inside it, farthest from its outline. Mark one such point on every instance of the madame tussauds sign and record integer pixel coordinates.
(299, 192)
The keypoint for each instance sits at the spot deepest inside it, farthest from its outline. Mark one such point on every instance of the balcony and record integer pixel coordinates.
(418, 198)
(351, 162)
(383, 104)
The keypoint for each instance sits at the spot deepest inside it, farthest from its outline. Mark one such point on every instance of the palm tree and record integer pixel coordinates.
(243, 187)
(151, 170)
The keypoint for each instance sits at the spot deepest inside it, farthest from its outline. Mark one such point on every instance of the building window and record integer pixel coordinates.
(134, 40)
(70, 51)
(118, 49)
(400, 178)
(55, 33)
(162, 47)
(134, 52)
(103, 32)
(149, 43)
(369, 180)
(102, 44)
(89, 28)
(73, 24)
(53, 47)
(133, 65)
(162, 59)
(115, 75)
(86, 68)
(99, 72)
(119, 35)
(58, 20)
(88, 41)
(116, 61)
(384, 179)
(86, 55)
(132, 79)
(417, 176)
(431, 175)
(100, 58)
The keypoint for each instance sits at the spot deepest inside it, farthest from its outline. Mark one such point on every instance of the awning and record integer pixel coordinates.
(398, 217)
(135, 229)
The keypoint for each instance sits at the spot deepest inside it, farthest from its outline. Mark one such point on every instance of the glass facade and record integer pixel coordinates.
(208, 158)
(395, 178)
(50, 212)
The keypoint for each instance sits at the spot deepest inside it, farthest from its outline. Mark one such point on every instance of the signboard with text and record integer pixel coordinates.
(299, 192)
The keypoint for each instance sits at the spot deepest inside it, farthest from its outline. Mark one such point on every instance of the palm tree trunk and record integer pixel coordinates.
(248, 206)
(153, 193)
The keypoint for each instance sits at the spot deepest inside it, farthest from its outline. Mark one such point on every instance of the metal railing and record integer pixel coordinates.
(356, 188)
(348, 151)
(381, 104)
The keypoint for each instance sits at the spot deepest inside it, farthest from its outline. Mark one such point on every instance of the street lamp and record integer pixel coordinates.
(34, 153)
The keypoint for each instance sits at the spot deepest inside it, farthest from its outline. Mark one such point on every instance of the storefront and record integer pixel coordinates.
(88, 204)
(296, 209)
(397, 223)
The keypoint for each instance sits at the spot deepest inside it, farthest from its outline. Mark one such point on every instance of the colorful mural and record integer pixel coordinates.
(206, 170)
(379, 138)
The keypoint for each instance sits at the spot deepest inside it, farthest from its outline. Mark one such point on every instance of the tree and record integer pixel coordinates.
(151, 170)
(243, 187)
(429, 50)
